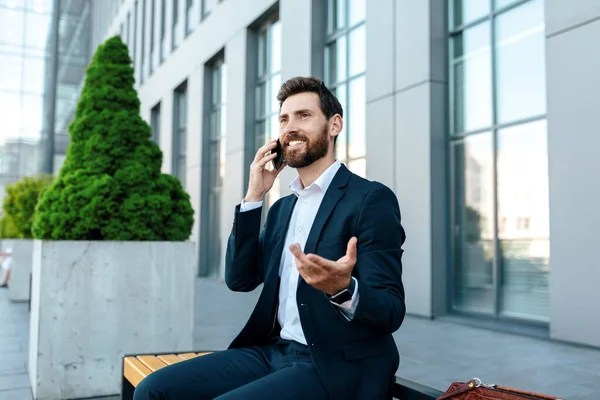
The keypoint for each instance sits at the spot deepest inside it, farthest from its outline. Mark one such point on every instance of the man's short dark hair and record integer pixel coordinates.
(328, 102)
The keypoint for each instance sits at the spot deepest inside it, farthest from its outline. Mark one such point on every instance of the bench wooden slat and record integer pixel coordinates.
(134, 370)
(169, 359)
(204, 353)
(187, 356)
(153, 363)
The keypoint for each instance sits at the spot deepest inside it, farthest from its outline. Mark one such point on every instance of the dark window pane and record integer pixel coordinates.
(523, 208)
(473, 224)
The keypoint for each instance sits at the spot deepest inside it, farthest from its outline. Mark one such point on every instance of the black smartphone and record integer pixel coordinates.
(277, 161)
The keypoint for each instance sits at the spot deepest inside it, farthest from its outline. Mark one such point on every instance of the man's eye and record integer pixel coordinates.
(305, 115)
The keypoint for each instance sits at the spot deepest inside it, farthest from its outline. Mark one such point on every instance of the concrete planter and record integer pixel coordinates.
(92, 302)
(18, 284)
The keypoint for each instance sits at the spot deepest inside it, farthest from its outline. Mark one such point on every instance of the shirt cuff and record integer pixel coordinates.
(251, 205)
(349, 307)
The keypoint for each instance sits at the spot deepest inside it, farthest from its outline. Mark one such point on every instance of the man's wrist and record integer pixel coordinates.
(253, 199)
(344, 294)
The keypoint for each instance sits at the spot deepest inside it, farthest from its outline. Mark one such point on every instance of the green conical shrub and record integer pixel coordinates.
(110, 186)
(20, 202)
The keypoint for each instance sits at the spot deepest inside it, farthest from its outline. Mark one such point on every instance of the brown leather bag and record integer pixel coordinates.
(476, 390)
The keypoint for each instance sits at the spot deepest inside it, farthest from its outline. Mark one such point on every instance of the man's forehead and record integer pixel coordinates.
(300, 101)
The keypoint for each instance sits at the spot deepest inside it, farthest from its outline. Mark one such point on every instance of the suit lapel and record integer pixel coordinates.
(333, 195)
(284, 217)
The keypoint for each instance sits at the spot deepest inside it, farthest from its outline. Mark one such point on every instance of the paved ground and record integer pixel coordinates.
(433, 353)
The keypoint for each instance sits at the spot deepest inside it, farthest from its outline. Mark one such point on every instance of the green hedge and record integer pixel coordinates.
(111, 186)
(19, 205)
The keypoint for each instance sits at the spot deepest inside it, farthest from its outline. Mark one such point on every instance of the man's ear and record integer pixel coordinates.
(336, 124)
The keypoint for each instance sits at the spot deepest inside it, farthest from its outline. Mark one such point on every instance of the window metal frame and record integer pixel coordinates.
(177, 153)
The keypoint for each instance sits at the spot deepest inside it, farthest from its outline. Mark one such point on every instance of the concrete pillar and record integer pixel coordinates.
(572, 65)
(406, 125)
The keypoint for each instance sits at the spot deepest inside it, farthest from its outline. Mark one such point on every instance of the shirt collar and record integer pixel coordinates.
(322, 183)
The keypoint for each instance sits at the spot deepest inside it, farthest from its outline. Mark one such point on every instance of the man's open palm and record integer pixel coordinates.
(323, 274)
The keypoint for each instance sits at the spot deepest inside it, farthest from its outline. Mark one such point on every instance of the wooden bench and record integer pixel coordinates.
(137, 367)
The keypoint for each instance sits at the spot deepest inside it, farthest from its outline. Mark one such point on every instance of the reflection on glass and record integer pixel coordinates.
(275, 85)
(335, 59)
(262, 53)
(340, 144)
(359, 167)
(523, 208)
(498, 4)
(473, 223)
(38, 27)
(32, 112)
(275, 47)
(336, 15)
(208, 6)
(465, 11)
(521, 71)
(10, 73)
(33, 79)
(357, 11)
(39, 6)
(356, 119)
(357, 51)
(260, 100)
(472, 79)
(12, 23)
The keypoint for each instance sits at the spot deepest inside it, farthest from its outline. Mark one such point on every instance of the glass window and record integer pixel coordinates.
(40, 6)
(10, 71)
(163, 31)
(499, 4)
(267, 85)
(155, 123)
(38, 29)
(215, 165)
(189, 4)
(472, 79)
(344, 75)
(153, 54)
(33, 77)
(208, 6)
(473, 223)
(134, 32)
(523, 205)
(521, 63)
(180, 133)
(175, 40)
(12, 23)
(465, 11)
(143, 44)
(500, 174)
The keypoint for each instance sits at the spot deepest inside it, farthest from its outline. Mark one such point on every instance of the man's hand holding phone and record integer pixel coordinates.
(261, 178)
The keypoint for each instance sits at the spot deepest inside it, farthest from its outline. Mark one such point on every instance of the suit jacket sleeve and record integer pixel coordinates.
(379, 261)
(243, 259)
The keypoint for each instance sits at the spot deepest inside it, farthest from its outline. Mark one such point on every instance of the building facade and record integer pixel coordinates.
(478, 114)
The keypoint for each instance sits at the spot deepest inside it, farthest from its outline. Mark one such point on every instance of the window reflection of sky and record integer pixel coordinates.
(25, 26)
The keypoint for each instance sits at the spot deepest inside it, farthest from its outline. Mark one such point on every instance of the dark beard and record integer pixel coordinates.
(315, 150)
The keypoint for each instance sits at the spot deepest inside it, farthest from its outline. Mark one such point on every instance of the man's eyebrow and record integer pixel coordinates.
(302, 111)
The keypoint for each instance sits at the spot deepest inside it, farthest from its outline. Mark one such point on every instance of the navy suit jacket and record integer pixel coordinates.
(355, 359)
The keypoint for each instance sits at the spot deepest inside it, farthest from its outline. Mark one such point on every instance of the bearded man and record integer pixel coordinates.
(330, 259)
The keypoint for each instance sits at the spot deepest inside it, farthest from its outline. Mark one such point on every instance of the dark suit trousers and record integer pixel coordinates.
(283, 370)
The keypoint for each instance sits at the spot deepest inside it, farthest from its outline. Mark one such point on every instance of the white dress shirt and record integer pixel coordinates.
(303, 216)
